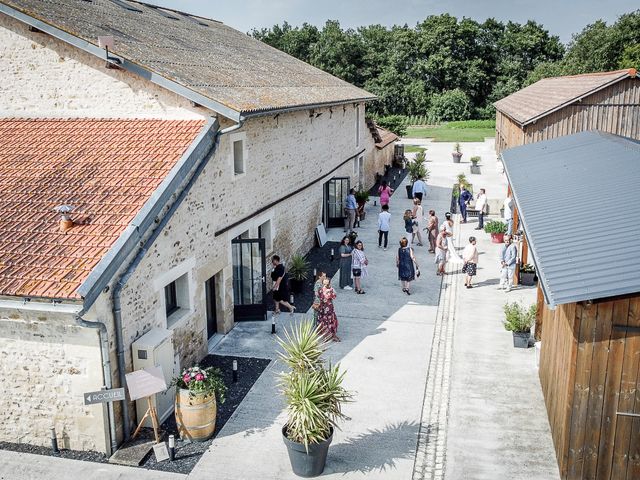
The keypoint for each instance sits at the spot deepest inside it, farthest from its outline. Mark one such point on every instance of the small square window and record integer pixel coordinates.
(238, 157)
(264, 231)
(176, 299)
(170, 298)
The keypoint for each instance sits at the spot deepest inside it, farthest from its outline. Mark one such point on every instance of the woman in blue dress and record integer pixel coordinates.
(407, 265)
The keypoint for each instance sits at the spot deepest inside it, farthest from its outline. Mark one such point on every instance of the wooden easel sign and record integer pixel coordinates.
(143, 384)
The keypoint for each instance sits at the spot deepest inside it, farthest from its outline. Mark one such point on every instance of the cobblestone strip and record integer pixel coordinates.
(432, 437)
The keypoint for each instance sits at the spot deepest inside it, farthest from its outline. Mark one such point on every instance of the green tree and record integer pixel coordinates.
(450, 105)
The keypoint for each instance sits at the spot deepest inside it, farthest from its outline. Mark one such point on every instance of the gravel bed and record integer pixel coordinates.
(393, 171)
(187, 453)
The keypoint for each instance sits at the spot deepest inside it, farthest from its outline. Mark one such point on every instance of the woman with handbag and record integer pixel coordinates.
(359, 264)
(407, 265)
(417, 215)
(327, 319)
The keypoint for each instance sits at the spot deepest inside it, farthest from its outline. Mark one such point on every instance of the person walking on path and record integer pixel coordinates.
(385, 192)
(432, 230)
(359, 264)
(327, 320)
(419, 189)
(470, 257)
(508, 213)
(345, 264)
(442, 250)
(280, 286)
(408, 225)
(481, 206)
(508, 259)
(407, 265)
(384, 223)
(464, 198)
(350, 207)
(452, 254)
(417, 214)
(316, 294)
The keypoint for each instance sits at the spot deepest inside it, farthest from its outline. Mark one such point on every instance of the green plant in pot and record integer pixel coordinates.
(527, 275)
(362, 197)
(457, 153)
(475, 168)
(417, 169)
(298, 269)
(518, 320)
(195, 406)
(314, 396)
(497, 229)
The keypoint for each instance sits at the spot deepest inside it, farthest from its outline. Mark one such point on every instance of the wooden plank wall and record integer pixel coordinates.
(589, 371)
(508, 133)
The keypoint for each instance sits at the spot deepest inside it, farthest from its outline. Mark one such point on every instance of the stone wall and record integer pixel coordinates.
(45, 77)
(46, 364)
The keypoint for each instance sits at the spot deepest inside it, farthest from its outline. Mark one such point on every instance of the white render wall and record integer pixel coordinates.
(42, 77)
(46, 364)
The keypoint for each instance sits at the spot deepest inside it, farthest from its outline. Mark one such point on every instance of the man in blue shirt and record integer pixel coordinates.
(419, 189)
(508, 259)
(350, 206)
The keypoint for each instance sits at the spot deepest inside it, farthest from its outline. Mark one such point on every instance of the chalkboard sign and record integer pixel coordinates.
(321, 235)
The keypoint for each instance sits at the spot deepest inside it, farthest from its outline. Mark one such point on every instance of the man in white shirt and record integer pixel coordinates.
(384, 221)
(508, 213)
(419, 189)
(481, 206)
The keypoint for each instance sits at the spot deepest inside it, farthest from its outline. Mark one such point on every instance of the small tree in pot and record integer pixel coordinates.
(518, 319)
(496, 229)
(362, 197)
(298, 272)
(457, 153)
(475, 168)
(314, 395)
(527, 274)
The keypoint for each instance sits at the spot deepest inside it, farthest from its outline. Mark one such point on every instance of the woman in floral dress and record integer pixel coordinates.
(327, 319)
(316, 294)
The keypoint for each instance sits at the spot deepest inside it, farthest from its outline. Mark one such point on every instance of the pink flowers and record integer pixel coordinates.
(199, 377)
(186, 378)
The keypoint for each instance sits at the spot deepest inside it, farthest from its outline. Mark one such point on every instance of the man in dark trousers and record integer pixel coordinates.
(464, 198)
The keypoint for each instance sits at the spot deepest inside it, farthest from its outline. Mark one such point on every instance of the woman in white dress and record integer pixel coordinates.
(448, 226)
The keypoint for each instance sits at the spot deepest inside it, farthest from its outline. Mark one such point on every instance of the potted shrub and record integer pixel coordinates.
(362, 197)
(298, 269)
(417, 169)
(457, 153)
(196, 407)
(518, 320)
(314, 396)
(475, 168)
(527, 275)
(497, 229)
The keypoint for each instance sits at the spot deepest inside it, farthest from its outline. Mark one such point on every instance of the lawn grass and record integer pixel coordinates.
(443, 133)
(413, 149)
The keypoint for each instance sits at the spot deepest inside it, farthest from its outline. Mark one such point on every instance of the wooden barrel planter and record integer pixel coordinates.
(195, 415)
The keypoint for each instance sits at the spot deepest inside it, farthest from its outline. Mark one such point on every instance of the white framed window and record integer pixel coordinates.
(176, 299)
(264, 231)
(239, 154)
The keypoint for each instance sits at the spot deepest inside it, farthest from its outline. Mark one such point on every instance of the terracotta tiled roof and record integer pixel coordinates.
(549, 94)
(106, 169)
(385, 137)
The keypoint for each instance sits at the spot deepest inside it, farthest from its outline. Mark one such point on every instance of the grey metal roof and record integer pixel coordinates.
(577, 197)
(196, 55)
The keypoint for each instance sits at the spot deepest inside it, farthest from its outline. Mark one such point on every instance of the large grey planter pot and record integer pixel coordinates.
(456, 157)
(475, 169)
(307, 464)
(521, 339)
(527, 279)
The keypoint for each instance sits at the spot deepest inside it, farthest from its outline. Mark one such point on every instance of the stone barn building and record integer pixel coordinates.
(553, 107)
(150, 160)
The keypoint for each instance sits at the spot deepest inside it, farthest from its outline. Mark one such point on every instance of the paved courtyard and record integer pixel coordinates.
(440, 390)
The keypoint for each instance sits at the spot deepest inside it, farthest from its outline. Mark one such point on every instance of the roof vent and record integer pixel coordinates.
(66, 223)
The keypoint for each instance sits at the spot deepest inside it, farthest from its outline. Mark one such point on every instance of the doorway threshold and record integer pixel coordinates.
(215, 339)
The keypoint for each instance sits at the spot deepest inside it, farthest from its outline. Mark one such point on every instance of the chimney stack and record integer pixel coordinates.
(66, 223)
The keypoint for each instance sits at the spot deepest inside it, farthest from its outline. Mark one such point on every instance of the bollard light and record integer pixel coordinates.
(315, 273)
(375, 203)
(273, 324)
(291, 299)
(172, 447)
(54, 441)
(332, 254)
(235, 371)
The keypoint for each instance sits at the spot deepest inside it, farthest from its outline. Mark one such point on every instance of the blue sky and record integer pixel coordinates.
(560, 17)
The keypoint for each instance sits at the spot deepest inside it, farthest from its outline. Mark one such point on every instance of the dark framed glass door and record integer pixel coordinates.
(335, 195)
(249, 279)
(210, 295)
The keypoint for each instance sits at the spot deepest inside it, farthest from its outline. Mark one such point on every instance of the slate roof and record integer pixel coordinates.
(576, 198)
(106, 169)
(203, 55)
(550, 94)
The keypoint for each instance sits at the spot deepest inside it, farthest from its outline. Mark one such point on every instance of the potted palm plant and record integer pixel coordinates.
(362, 197)
(457, 153)
(314, 396)
(298, 272)
(196, 407)
(527, 275)
(475, 168)
(518, 320)
(496, 229)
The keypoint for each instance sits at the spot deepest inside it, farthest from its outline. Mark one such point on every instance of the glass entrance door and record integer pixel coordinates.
(335, 195)
(249, 279)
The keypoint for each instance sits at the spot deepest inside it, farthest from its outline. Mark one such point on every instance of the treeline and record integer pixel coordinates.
(450, 69)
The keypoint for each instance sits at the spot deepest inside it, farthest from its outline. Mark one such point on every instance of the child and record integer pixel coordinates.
(408, 224)
(384, 220)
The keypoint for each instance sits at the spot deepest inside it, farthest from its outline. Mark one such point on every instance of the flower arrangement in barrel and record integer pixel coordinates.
(202, 381)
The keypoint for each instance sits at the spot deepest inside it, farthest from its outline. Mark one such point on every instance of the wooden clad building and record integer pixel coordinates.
(553, 107)
(589, 297)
